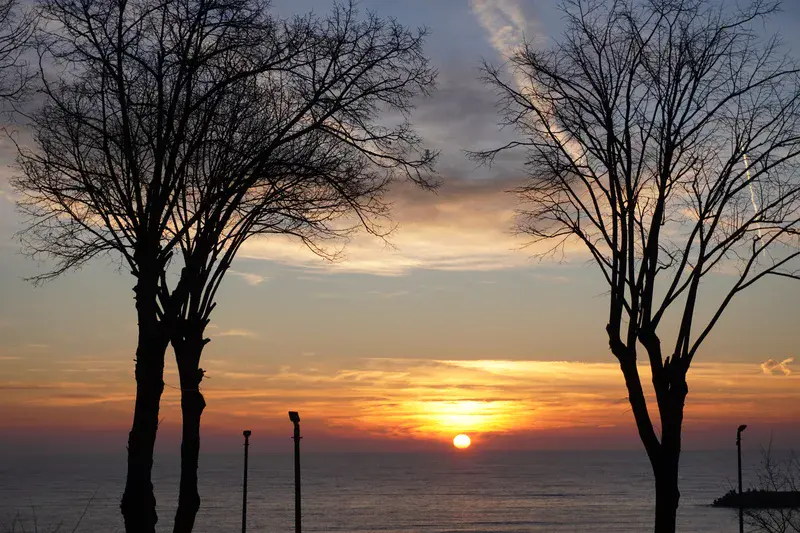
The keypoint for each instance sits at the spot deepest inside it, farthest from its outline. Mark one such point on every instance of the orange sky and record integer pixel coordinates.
(506, 404)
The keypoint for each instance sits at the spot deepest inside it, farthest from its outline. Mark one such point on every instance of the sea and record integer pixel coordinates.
(476, 492)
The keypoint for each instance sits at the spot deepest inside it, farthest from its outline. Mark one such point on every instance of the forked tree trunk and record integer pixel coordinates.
(665, 454)
(188, 344)
(138, 504)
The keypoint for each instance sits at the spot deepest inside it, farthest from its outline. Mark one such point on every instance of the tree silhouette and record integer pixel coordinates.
(776, 475)
(16, 29)
(662, 138)
(131, 90)
(305, 152)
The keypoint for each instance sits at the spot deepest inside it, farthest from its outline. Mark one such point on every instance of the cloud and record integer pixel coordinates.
(421, 398)
(389, 294)
(551, 278)
(237, 333)
(240, 375)
(777, 368)
(328, 296)
(466, 226)
(462, 113)
(418, 398)
(49, 386)
(311, 278)
(250, 278)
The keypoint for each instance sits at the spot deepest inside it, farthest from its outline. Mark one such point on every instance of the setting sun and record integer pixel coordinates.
(461, 442)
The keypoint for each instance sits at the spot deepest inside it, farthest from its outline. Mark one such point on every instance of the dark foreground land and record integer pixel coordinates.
(760, 499)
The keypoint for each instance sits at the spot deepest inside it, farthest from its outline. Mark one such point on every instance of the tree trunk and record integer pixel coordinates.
(667, 465)
(667, 494)
(188, 345)
(664, 454)
(138, 504)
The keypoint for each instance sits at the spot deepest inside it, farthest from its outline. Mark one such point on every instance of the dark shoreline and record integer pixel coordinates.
(760, 499)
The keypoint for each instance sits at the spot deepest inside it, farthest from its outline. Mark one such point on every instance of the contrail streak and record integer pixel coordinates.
(752, 191)
(508, 28)
(505, 23)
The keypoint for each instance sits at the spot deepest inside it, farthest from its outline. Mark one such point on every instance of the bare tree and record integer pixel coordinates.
(662, 138)
(781, 476)
(138, 86)
(305, 152)
(16, 29)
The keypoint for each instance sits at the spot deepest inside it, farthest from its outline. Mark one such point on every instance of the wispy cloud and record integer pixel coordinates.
(328, 296)
(779, 368)
(434, 398)
(236, 332)
(551, 278)
(388, 294)
(311, 278)
(423, 399)
(466, 227)
(250, 278)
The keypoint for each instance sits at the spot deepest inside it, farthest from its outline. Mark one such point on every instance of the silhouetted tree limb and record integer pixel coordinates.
(17, 24)
(662, 138)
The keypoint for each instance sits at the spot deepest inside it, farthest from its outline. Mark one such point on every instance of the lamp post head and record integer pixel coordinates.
(739, 434)
(294, 416)
(246, 433)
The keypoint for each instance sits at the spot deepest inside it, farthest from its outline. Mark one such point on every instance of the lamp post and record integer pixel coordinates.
(246, 434)
(295, 418)
(739, 452)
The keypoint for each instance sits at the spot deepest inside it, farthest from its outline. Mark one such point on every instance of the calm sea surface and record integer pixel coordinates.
(388, 493)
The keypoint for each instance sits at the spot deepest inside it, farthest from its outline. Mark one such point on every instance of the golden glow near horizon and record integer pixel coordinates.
(462, 441)
(398, 399)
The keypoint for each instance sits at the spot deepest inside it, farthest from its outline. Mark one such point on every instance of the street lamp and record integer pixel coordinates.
(246, 434)
(739, 452)
(294, 416)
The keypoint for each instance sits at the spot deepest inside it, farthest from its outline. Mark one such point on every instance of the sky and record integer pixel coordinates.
(455, 328)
